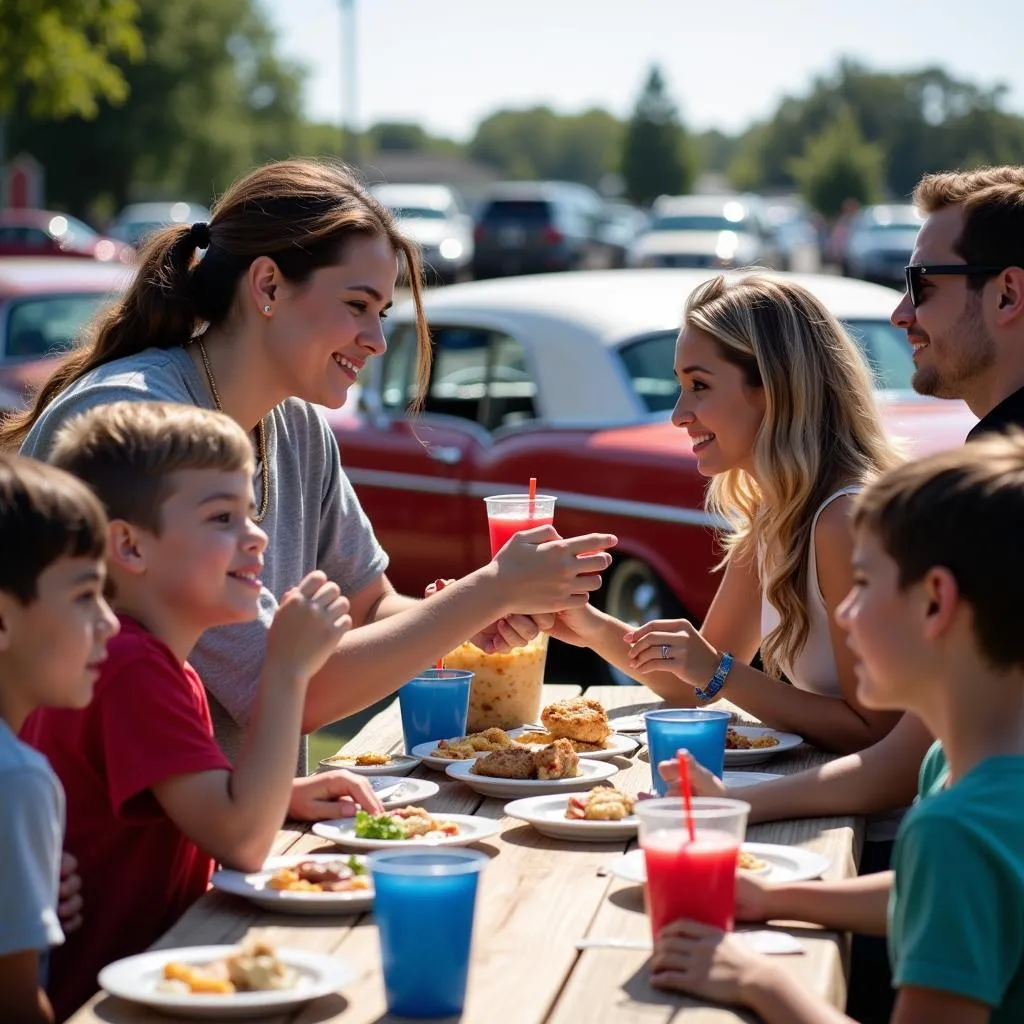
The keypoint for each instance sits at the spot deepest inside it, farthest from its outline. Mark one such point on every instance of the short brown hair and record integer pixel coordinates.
(961, 510)
(993, 202)
(45, 514)
(127, 451)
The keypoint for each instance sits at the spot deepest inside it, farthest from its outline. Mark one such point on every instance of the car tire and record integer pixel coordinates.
(633, 592)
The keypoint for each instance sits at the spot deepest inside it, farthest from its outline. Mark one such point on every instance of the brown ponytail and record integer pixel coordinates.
(300, 213)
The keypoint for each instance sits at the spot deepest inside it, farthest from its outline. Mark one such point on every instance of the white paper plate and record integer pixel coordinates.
(254, 888)
(136, 977)
(472, 829)
(591, 772)
(547, 815)
(400, 764)
(394, 791)
(786, 863)
(616, 746)
(737, 780)
(787, 741)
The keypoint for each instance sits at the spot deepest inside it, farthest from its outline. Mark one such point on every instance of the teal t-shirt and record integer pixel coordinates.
(956, 915)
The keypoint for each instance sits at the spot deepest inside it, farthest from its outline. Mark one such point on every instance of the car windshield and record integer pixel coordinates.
(535, 211)
(649, 360)
(47, 324)
(696, 222)
(418, 213)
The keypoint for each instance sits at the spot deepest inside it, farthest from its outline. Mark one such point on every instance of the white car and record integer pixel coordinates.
(713, 231)
(433, 217)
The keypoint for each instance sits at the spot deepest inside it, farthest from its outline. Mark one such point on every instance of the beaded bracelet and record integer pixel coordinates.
(717, 681)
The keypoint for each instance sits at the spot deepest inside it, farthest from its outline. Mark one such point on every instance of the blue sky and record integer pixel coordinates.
(448, 63)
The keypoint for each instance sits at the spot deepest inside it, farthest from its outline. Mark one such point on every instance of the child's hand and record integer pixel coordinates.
(541, 572)
(335, 794)
(309, 624)
(702, 782)
(704, 961)
(672, 645)
(69, 900)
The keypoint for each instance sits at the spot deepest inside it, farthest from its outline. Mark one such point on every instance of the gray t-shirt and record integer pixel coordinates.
(31, 838)
(314, 519)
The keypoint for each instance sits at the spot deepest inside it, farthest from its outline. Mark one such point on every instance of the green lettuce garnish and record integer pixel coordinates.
(381, 827)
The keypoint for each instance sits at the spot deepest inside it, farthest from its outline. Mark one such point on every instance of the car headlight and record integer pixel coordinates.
(450, 249)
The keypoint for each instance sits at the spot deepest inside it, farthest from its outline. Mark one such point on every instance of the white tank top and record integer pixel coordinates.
(814, 668)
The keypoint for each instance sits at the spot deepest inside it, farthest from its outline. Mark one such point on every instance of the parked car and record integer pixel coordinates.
(619, 227)
(137, 220)
(880, 242)
(706, 231)
(433, 217)
(46, 233)
(45, 303)
(794, 234)
(528, 227)
(569, 378)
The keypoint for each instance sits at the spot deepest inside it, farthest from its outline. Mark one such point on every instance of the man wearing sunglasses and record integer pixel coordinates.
(963, 313)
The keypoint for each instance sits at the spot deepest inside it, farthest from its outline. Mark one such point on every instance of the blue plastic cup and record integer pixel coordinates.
(701, 732)
(433, 890)
(434, 706)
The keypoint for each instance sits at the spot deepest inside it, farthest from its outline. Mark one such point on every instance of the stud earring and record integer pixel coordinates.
(266, 309)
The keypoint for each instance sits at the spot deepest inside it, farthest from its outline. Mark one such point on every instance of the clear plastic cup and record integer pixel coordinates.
(428, 894)
(693, 879)
(509, 514)
(508, 688)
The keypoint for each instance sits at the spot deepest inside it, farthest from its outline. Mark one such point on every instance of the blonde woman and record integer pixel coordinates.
(777, 401)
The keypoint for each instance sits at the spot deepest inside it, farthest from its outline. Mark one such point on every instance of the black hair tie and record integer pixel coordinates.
(199, 234)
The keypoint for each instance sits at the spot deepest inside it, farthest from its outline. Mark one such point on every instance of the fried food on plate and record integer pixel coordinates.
(463, 747)
(580, 719)
(371, 759)
(605, 803)
(511, 763)
(533, 738)
(558, 760)
(748, 862)
(737, 741)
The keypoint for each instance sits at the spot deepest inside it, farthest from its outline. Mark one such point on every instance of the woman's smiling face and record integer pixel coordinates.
(720, 411)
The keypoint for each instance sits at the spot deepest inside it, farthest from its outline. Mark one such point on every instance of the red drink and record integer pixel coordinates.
(691, 880)
(504, 527)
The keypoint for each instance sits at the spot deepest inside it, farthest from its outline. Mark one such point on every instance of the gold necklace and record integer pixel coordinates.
(261, 438)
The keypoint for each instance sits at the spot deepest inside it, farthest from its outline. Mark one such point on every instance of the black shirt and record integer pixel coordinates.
(1008, 413)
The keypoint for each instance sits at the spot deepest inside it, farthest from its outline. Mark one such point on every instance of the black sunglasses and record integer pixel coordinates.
(916, 272)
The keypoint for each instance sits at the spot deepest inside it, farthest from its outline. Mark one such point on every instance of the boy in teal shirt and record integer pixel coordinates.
(934, 620)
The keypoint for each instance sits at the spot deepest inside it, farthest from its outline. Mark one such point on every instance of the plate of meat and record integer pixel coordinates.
(310, 883)
(524, 771)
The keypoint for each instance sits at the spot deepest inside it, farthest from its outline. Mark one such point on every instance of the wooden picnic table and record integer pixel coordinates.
(538, 897)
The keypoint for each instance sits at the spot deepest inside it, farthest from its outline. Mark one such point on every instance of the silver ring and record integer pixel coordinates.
(664, 652)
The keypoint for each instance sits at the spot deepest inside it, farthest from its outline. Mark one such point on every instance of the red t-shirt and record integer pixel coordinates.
(149, 719)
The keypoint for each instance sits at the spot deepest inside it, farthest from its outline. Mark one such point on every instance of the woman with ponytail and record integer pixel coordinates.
(278, 316)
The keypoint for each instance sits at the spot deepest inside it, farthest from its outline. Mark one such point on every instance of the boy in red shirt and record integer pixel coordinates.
(152, 801)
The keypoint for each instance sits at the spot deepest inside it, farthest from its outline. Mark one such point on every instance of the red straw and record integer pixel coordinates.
(533, 496)
(684, 788)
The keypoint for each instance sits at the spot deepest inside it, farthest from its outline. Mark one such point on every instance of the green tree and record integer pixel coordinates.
(837, 165)
(657, 157)
(59, 55)
(210, 100)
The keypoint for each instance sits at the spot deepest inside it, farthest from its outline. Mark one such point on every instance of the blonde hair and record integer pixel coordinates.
(821, 427)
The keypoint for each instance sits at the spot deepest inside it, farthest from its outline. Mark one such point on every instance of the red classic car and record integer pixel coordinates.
(569, 378)
(46, 233)
(45, 302)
